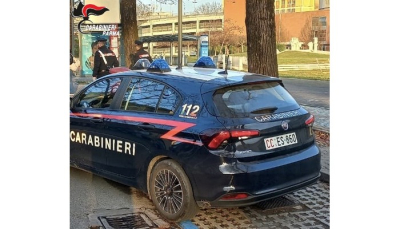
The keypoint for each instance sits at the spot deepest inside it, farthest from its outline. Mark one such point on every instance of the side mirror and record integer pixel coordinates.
(83, 104)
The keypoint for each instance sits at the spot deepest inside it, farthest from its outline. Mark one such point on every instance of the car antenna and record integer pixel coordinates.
(226, 66)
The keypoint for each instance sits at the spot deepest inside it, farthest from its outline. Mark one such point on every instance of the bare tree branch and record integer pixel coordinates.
(142, 10)
(209, 8)
(167, 1)
(307, 34)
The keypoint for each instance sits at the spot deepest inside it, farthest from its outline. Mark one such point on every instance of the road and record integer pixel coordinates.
(313, 93)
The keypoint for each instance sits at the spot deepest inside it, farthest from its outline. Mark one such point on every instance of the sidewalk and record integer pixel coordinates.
(321, 123)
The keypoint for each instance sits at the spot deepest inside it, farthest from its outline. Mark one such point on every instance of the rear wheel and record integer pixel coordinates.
(171, 191)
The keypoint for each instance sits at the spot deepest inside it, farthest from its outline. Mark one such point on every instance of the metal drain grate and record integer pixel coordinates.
(128, 221)
(278, 202)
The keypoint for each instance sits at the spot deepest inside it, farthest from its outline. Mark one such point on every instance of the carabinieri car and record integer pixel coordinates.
(195, 137)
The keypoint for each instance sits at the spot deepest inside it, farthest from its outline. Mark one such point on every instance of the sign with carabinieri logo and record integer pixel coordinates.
(98, 15)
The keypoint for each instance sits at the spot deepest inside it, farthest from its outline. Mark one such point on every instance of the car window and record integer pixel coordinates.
(100, 94)
(169, 101)
(150, 96)
(253, 99)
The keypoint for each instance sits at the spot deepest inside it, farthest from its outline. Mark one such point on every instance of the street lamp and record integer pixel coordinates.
(179, 34)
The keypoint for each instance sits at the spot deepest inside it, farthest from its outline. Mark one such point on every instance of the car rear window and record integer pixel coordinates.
(249, 100)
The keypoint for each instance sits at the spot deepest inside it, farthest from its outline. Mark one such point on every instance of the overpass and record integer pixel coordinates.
(159, 24)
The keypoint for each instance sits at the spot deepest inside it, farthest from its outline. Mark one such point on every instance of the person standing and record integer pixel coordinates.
(72, 85)
(140, 53)
(90, 60)
(104, 59)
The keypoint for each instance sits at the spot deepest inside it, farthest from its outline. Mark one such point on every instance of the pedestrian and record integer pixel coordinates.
(140, 53)
(104, 59)
(72, 85)
(90, 60)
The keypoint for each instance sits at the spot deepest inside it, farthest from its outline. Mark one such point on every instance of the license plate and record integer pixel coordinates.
(280, 141)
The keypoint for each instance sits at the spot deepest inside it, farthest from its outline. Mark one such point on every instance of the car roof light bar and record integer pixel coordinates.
(205, 62)
(159, 65)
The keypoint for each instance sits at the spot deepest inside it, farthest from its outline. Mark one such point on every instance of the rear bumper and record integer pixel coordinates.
(253, 199)
(261, 180)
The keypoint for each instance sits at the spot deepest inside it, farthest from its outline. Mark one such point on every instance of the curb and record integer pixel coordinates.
(324, 176)
(322, 129)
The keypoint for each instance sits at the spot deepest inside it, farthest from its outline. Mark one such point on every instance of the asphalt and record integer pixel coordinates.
(321, 123)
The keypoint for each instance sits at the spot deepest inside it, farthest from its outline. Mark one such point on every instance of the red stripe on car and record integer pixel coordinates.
(170, 135)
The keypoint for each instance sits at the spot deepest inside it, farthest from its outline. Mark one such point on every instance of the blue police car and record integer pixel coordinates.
(194, 138)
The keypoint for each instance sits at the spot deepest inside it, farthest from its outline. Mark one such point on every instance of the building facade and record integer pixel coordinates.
(301, 19)
(165, 23)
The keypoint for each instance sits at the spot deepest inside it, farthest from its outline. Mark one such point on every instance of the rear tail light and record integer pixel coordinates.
(310, 121)
(214, 139)
(235, 196)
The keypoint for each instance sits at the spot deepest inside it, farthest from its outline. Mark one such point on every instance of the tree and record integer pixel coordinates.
(241, 40)
(261, 37)
(209, 8)
(225, 37)
(142, 10)
(307, 34)
(71, 28)
(129, 28)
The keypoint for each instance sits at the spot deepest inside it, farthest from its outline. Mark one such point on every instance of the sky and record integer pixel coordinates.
(188, 5)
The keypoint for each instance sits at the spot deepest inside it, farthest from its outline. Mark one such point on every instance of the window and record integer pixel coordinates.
(169, 101)
(150, 96)
(322, 21)
(162, 28)
(315, 21)
(291, 3)
(100, 95)
(318, 21)
(253, 99)
(211, 24)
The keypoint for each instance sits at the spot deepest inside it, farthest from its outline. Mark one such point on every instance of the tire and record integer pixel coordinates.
(171, 192)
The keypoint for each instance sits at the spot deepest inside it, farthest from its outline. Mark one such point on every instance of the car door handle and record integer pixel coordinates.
(97, 120)
(146, 125)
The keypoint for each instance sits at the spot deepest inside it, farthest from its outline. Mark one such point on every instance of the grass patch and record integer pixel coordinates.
(298, 57)
(239, 54)
(192, 59)
(306, 74)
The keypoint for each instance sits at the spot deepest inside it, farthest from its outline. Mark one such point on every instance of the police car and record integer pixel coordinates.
(195, 137)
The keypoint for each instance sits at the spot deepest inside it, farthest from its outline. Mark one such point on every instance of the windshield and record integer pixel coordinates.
(250, 100)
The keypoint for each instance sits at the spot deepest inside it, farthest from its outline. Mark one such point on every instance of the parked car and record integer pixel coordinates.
(194, 137)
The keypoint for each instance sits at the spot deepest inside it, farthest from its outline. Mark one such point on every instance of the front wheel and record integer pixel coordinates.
(171, 191)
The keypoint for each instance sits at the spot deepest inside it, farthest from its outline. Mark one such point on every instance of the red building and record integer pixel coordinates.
(289, 23)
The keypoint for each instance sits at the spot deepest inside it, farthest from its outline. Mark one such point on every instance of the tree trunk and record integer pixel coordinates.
(261, 37)
(71, 19)
(129, 28)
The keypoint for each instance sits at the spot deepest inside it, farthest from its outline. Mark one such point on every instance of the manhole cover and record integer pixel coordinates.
(278, 202)
(127, 221)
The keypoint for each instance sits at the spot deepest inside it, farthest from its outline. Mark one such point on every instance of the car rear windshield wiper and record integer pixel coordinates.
(264, 110)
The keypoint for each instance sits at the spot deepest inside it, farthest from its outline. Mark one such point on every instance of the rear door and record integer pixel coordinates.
(139, 122)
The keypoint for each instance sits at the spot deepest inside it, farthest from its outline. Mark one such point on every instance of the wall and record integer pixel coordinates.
(290, 24)
(293, 23)
(235, 11)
